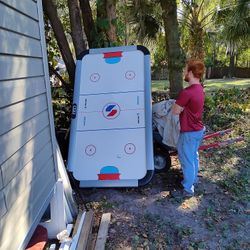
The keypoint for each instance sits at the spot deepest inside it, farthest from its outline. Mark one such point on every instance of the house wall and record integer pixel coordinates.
(27, 163)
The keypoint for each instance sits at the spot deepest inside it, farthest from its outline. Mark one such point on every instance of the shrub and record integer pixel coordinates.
(225, 106)
(62, 108)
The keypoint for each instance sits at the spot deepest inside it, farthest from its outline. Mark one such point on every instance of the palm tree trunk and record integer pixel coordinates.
(231, 66)
(76, 27)
(51, 12)
(174, 51)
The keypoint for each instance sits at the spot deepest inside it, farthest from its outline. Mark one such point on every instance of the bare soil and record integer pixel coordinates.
(149, 218)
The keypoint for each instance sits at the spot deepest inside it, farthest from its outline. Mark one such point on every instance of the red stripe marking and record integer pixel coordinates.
(112, 54)
(113, 112)
(109, 176)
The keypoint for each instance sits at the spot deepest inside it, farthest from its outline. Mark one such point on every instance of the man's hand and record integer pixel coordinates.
(176, 109)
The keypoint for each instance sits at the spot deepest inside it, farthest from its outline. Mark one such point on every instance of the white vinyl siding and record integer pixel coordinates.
(21, 45)
(13, 91)
(12, 67)
(12, 19)
(27, 161)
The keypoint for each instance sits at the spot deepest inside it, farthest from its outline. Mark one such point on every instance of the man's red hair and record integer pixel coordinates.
(197, 67)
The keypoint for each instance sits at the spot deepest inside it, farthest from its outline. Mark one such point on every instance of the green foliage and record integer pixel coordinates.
(62, 108)
(144, 18)
(52, 47)
(159, 54)
(103, 23)
(225, 106)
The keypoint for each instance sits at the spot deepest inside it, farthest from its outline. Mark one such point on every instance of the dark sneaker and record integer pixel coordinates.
(181, 194)
(196, 184)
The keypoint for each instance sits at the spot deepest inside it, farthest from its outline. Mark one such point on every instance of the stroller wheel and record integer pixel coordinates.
(162, 162)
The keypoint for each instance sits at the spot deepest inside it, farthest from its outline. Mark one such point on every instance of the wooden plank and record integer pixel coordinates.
(103, 232)
(18, 113)
(18, 90)
(3, 208)
(69, 228)
(26, 210)
(17, 22)
(77, 230)
(12, 141)
(86, 232)
(27, 7)
(17, 44)
(76, 226)
(12, 67)
(25, 178)
(17, 161)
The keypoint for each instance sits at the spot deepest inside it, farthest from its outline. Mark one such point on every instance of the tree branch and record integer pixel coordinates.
(207, 15)
(184, 15)
(207, 24)
(199, 10)
(66, 85)
(51, 12)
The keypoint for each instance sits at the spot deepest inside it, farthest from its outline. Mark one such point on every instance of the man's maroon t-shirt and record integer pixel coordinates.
(192, 100)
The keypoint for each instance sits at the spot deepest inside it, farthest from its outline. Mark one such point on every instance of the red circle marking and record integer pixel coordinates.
(90, 150)
(130, 75)
(95, 77)
(129, 148)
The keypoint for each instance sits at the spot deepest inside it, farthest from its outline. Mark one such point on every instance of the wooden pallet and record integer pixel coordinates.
(82, 236)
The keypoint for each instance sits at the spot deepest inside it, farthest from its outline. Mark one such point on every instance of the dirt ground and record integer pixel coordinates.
(149, 218)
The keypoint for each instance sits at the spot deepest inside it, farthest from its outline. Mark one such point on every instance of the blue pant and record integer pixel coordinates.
(187, 147)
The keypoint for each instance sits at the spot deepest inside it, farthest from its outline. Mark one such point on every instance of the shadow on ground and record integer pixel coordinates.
(148, 218)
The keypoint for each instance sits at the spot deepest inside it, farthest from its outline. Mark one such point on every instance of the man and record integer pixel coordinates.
(189, 105)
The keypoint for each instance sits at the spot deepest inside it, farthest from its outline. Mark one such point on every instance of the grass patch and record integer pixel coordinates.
(160, 85)
(215, 84)
(210, 84)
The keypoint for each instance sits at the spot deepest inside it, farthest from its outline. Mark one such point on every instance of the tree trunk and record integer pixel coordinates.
(76, 27)
(126, 35)
(174, 51)
(111, 16)
(231, 66)
(106, 28)
(101, 23)
(51, 12)
(88, 22)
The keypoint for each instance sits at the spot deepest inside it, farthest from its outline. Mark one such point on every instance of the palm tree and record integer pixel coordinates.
(174, 51)
(144, 19)
(235, 24)
(196, 15)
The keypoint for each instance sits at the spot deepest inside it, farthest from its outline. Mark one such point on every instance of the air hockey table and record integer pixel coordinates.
(111, 141)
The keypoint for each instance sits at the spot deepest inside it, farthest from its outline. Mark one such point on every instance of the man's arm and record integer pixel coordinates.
(176, 109)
